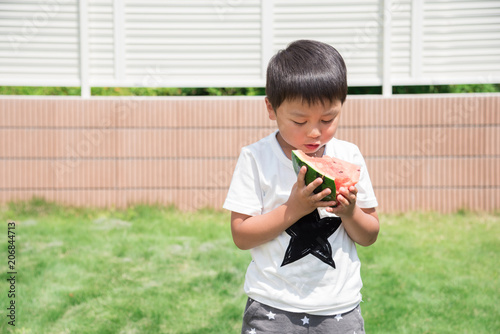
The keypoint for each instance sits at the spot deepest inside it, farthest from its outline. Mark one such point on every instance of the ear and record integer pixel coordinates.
(270, 110)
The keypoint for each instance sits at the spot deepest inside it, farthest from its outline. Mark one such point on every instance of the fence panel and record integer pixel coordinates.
(423, 152)
(227, 43)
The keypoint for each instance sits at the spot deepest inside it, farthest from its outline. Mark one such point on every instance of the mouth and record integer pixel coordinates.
(312, 147)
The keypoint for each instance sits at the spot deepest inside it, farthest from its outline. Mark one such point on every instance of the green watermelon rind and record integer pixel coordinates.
(312, 174)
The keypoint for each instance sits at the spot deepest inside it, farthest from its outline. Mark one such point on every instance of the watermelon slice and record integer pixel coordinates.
(336, 173)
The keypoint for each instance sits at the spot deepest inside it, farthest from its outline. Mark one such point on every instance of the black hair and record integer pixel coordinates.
(309, 70)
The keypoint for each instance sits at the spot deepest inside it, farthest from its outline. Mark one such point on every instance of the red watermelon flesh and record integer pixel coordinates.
(343, 173)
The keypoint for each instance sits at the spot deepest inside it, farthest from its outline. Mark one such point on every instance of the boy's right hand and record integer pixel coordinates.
(303, 200)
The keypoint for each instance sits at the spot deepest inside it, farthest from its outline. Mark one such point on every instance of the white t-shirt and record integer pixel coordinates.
(299, 271)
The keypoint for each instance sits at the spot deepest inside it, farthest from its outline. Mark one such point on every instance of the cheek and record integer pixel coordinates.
(292, 134)
(330, 131)
(289, 127)
(298, 132)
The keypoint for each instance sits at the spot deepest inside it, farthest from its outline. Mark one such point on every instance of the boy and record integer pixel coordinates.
(304, 276)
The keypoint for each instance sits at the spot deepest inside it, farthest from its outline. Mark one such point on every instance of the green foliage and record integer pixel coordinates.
(154, 269)
(435, 89)
(27, 90)
(368, 90)
(143, 91)
(251, 91)
(237, 91)
(133, 91)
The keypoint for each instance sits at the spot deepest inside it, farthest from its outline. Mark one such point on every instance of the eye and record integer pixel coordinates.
(299, 123)
(328, 121)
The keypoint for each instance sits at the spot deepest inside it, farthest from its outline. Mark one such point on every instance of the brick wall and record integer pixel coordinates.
(428, 152)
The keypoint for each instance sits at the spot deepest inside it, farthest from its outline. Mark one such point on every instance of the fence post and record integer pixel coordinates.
(416, 38)
(84, 49)
(119, 28)
(267, 34)
(387, 46)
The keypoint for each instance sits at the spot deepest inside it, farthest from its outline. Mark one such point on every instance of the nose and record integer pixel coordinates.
(314, 132)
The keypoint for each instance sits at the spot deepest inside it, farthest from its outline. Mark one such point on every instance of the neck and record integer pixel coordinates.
(319, 153)
(285, 147)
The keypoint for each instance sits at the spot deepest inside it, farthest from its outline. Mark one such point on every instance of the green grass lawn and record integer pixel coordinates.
(158, 270)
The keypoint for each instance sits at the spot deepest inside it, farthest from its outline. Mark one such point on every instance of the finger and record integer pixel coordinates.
(313, 185)
(322, 194)
(331, 208)
(353, 189)
(344, 191)
(327, 204)
(340, 198)
(345, 201)
(301, 176)
(351, 194)
(348, 193)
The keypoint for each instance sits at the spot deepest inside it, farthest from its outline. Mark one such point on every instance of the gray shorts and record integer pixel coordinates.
(260, 318)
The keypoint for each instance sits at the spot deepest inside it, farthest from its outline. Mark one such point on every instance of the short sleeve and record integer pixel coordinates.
(366, 196)
(245, 195)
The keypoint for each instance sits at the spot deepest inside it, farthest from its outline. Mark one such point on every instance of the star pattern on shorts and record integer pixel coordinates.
(305, 321)
(309, 235)
(271, 315)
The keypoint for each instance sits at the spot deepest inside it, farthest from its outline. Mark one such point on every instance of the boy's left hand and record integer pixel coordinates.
(346, 202)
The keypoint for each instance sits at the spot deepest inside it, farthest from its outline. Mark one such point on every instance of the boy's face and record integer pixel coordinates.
(305, 127)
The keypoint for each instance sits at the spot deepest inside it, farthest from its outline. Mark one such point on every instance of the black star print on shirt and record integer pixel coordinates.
(309, 235)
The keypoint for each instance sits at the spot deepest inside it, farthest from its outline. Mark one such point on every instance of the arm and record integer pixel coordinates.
(252, 231)
(362, 225)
